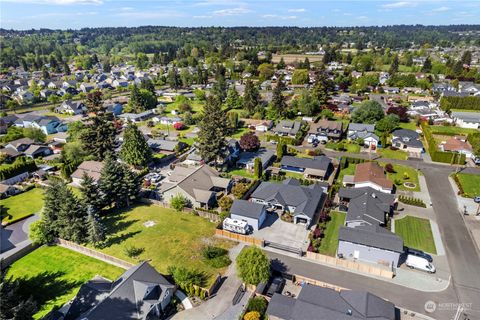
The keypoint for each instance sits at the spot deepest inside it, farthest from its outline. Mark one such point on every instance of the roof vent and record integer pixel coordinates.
(374, 195)
(349, 312)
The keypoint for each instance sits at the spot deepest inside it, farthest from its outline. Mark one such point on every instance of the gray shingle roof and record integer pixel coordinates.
(264, 154)
(320, 303)
(306, 199)
(247, 209)
(367, 204)
(320, 163)
(361, 127)
(372, 236)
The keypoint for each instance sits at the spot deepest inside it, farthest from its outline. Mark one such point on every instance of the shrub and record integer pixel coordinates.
(225, 203)
(389, 168)
(249, 141)
(253, 265)
(258, 304)
(186, 278)
(239, 190)
(132, 251)
(252, 315)
(211, 252)
(38, 233)
(178, 126)
(178, 202)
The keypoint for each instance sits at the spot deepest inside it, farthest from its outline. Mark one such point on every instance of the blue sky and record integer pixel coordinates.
(63, 14)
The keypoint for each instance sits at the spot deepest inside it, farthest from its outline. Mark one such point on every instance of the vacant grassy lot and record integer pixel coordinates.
(392, 154)
(470, 184)
(449, 130)
(290, 58)
(176, 239)
(416, 233)
(22, 205)
(329, 243)
(401, 172)
(53, 275)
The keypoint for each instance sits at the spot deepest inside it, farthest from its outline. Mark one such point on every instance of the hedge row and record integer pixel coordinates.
(412, 201)
(435, 154)
(18, 167)
(345, 161)
(464, 103)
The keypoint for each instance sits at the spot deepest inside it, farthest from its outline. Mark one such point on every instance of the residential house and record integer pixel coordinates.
(23, 96)
(366, 132)
(407, 140)
(118, 83)
(365, 206)
(165, 146)
(92, 169)
(314, 302)
(318, 168)
(86, 87)
(139, 293)
(10, 154)
(258, 125)
(137, 117)
(253, 213)
(247, 159)
(3, 126)
(391, 90)
(115, 108)
(71, 107)
(169, 121)
(370, 243)
(19, 145)
(199, 186)
(48, 124)
(325, 130)
(470, 120)
(458, 144)
(287, 128)
(36, 151)
(303, 202)
(369, 174)
(442, 87)
(7, 191)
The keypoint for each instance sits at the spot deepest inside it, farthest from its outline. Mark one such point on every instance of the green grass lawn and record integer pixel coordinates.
(329, 243)
(241, 172)
(22, 205)
(53, 275)
(399, 176)
(408, 125)
(470, 184)
(416, 233)
(349, 147)
(449, 130)
(392, 154)
(348, 171)
(176, 239)
(240, 132)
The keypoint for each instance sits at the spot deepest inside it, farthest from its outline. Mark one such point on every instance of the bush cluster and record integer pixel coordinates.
(412, 201)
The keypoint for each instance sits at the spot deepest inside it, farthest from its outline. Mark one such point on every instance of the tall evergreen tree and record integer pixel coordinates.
(135, 150)
(251, 97)
(281, 64)
(394, 66)
(321, 88)
(12, 304)
(213, 128)
(278, 100)
(234, 100)
(118, 183)
(66, 69)
(427, 65)
(220, 87)
(91, 195)
(98, 137)
(71, 217)
(95, 229)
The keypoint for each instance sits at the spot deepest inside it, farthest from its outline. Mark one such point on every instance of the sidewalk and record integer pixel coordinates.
(405, 277)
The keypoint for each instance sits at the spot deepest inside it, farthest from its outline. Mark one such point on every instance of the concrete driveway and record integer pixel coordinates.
(15, 234)
(289, 234)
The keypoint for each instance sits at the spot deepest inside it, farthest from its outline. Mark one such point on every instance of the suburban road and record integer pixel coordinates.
(462, 254)
(399, 295)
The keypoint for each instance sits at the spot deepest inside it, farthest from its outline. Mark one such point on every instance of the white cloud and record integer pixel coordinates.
(231, 12)
(57, 2)
(278, 17)
(399, 4)
(362, 18)
(202, 17)
(441, 9)
(149, 14)
(207, 3)
(297, 10)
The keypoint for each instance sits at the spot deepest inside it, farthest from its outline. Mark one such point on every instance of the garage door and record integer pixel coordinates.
(302, 220)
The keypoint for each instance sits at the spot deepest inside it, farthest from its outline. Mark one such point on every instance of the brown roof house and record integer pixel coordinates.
(458, 144)
(198, 185)
(369, 174)
(92, 168)
(325, 130)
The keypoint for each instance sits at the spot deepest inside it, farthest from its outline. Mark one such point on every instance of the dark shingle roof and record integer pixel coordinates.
(372, 236)
(247, 209)
(320, 303)
(320, 163)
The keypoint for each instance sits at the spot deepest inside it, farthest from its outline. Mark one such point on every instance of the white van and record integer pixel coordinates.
(419, 263)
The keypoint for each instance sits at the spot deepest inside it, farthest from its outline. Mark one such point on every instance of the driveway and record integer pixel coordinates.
(289, 234)
(15, 234)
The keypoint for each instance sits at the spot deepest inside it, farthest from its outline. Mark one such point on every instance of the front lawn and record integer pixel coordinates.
(53, 275)
(416, 233)
(470, 184)
(22, 205)
(329, 243)
(392, 154)
(241, 172)
(408, 125)
(175, 239)
(349, 146)
(401, 173)
(240, 132)
(347, 171)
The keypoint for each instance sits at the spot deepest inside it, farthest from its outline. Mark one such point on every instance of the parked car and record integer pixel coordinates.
(477, 199)
(415, 262)
(419, 253)
(276, 286)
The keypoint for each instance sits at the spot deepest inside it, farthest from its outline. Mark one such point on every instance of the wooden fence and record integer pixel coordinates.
(239, 237)
(301, 279)
(352, 265)
(94, 253)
